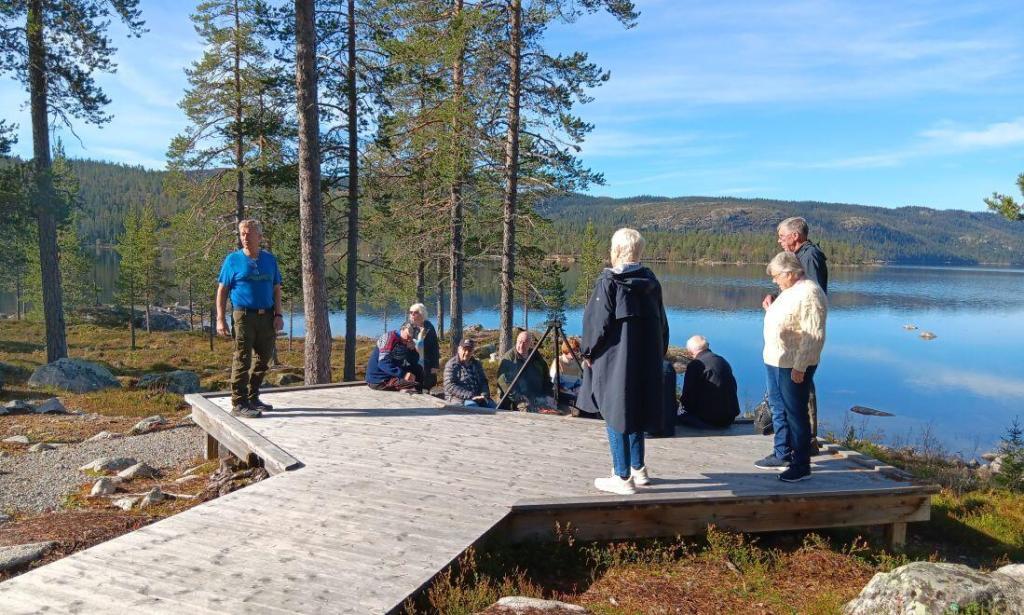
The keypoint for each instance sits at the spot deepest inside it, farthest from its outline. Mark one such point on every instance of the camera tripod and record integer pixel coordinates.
(559, 336)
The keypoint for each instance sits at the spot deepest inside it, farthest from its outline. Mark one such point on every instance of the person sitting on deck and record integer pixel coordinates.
(569, 374)
(709, 398)
(464, 380)
(533, 389)
(427, 345)
(394, 363)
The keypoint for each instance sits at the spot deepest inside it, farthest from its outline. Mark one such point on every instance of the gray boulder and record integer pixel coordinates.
(284, 379)
(17, 440)
(103, 486)
(989, 456)
(179, 381)
(19, 555)
(522, 604)
(109, 464)
(155, 496)
(50, 406)
(75, 375)
(923, 587)
(147, 425)
(161, 321)
(139, 470)
(40, 447)
(104, 435)
(125, 503)
(17, 406)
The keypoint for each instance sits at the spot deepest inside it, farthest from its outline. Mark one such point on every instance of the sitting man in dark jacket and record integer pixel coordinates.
(464, 380)
(709, 389)
(534, 387)
(394, 363)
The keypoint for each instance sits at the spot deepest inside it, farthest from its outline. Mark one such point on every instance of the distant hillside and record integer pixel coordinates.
(904, 235)
(706, 228)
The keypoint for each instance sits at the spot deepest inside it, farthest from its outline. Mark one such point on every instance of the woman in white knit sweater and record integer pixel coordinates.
(794, 334)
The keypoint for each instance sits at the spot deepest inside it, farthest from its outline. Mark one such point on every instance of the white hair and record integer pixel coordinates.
(697, 344)
(627, 246)
(796, 224)
(785, 262)
(251, 223)
(419, 307)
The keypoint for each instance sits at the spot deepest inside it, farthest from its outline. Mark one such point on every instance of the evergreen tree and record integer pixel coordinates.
(591, 263)
(555, 295)
(1006, 205)
(138, 272)
(1011, 449)
(65, 43)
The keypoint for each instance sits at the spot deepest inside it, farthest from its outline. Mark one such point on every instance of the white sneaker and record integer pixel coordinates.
(614, 484)
(640, 477)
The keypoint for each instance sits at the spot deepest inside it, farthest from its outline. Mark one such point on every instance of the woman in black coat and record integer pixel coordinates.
(426, 344)
(625, 338)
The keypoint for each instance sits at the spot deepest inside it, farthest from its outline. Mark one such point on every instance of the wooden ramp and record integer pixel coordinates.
(374, 493)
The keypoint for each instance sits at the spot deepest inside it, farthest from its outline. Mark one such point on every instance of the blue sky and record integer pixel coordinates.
(874, 102)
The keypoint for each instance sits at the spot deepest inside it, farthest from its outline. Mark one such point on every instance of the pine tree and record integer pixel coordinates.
(140, 261)
(65, 43)
(591, 263)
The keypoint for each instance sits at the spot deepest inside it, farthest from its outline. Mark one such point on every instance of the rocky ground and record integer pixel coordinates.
(41, 481)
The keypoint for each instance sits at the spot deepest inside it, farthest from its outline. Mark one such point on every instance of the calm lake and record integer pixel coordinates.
(962, 388)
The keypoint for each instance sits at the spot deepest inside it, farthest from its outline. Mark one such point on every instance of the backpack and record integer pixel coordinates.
(763, 419)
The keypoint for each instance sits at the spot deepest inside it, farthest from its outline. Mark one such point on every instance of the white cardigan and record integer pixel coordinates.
(794, 327)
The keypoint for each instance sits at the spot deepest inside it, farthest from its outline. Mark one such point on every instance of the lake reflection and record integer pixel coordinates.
(964, 387)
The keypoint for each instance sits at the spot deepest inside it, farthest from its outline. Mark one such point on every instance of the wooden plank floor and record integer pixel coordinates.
(391, 488)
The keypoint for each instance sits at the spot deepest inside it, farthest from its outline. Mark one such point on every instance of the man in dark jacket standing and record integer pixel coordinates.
(792, 235)
(625, 337)
(709, 389)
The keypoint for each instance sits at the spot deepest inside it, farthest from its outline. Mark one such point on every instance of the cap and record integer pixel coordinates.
(468, 343)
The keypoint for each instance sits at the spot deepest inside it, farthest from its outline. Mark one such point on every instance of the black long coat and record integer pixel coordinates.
(625, 337)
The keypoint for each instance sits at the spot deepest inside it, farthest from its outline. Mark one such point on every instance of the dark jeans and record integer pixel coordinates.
(401, 384)
(253, 333)
(691, 420)
(627, 451)
(788, 402)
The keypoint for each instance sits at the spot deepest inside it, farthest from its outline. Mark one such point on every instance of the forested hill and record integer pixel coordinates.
(905, 235)
(685, 228)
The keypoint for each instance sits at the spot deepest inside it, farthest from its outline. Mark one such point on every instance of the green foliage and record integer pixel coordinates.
(1011, 473)
(141, 277)
(198, 251)
(553, 291)
(591, 262)
(1005, 205)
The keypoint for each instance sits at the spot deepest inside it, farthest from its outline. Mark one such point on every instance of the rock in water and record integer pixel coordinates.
(910, 327)
(12, 557)
(869, 411)
(148, 424)
(179, 381)
(109, 464)
(103, 486)
(51, 406)
(522, 604)
(73, 375)
(923, 587)
(928, 335)
(139, 470)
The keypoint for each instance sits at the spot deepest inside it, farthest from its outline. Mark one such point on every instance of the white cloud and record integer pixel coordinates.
(1000, 134)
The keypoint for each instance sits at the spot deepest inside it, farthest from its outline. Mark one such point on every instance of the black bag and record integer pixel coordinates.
(666, 423)
(763, 419)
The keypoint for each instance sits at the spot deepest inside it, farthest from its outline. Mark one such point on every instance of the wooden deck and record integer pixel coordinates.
(374, 493)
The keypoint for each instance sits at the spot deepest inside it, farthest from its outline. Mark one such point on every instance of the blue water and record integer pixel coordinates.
(961, 389)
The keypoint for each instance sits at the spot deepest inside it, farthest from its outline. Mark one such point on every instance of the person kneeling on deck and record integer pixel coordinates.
(709, 398)
(251, 277)
(394, 363)
(464, 380)
(625, 338)
(533, 390)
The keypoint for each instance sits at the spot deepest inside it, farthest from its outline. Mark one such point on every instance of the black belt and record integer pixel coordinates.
(256, 310)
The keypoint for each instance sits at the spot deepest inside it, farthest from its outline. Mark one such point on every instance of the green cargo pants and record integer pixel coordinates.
(253, 332)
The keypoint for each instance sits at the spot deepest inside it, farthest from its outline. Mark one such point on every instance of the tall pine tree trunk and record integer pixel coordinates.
(53, 300)
(456, 254)
(440, 300)
(511, 173)
(317, 361)
(351, 271)
(239, 143)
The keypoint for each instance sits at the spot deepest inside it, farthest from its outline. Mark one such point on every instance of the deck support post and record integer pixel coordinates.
(212, 448)
(896, 535)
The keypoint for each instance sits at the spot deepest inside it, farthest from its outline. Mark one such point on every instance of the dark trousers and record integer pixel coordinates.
(254, 333)
(401, 384)
(788, 402)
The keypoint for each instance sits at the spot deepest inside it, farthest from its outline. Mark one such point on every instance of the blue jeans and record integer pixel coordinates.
(788, 402)
(488, 403)
(627, 451)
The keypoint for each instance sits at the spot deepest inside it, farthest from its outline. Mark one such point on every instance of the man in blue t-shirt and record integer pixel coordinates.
(251, 277)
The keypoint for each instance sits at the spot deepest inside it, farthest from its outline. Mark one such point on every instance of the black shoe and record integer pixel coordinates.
(771, 462)
(257, 404)
(794, 474)
(246, 412)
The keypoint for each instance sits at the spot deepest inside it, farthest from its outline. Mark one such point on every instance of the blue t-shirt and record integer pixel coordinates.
(250, 280)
